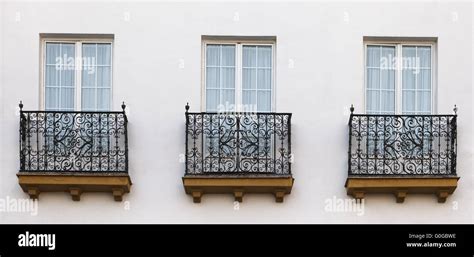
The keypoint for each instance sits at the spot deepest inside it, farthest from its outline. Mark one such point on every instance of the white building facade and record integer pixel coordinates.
(310, 59)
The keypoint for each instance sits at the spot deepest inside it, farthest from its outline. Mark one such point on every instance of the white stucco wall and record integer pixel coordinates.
(324, 40)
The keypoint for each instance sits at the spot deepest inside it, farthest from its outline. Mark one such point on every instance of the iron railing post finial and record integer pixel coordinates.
(455, 109)
(352, 113)
(22, 136)
(186, 107)
(123, 111)
(350, 140)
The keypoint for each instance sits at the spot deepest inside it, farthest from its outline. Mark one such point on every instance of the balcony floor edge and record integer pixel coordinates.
(34, 184)
(196, 186)
(442, 187)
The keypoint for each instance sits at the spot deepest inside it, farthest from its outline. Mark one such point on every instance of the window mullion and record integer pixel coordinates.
(238, 78)
(61, 67)
(399, 80)
(255, 108)
(96, 75)
(416, 80)
(380, 111)
(78, 76)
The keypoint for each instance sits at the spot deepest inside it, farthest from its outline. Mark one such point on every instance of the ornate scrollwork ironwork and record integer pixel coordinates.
(238, 143)
(56, 141)
(402, 145)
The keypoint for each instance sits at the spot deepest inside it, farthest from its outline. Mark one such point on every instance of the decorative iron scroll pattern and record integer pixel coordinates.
(64, 141)
(238, 143)
(402, 145)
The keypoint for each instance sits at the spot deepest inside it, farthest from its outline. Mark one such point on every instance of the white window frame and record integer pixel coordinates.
(238, 69)
(78, 71)
(399, 72)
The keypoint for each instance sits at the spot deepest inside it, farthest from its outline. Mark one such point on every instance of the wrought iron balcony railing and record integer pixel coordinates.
(238, 143)
(402, 145)
(68, 141)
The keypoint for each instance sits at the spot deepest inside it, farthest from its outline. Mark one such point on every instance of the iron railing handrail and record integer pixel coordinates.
(404, 115)
(82, 112)
(242, 113)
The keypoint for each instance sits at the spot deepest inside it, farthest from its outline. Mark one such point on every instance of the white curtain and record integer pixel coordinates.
(96, 76)
(59, 76)
(257, 78)
(220, 77)
(380, 76)
(416, 79)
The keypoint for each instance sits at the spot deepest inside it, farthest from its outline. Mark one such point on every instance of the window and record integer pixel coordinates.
(77, 75)
(239, 76)
(399, 78)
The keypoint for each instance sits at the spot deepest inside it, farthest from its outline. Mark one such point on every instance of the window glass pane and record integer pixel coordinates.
(264, 79)
(409, 57)
(212, 99)
(52, 75)
(228, 55)
(423, 102)
(228, 99)
(249, 76)
(67, 99)
(88, 78)
(88, 99)
(52, 98)
(264, 54)
(103, 54)
(388, 57)
(249, 58)
(424, 54)
(409, 79)
(68, 53)
(373, 79)
(424, 79)
(373, 101)
(228, 77)
(388, 102)
(52, 52)
(212, 77)
(249, 99)
(387, 79)
(103, 76)
(264, 101)
(67, 77)
(373, 56)
(89, 51)
(408, 102)
(103, 99)
(212, 55)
